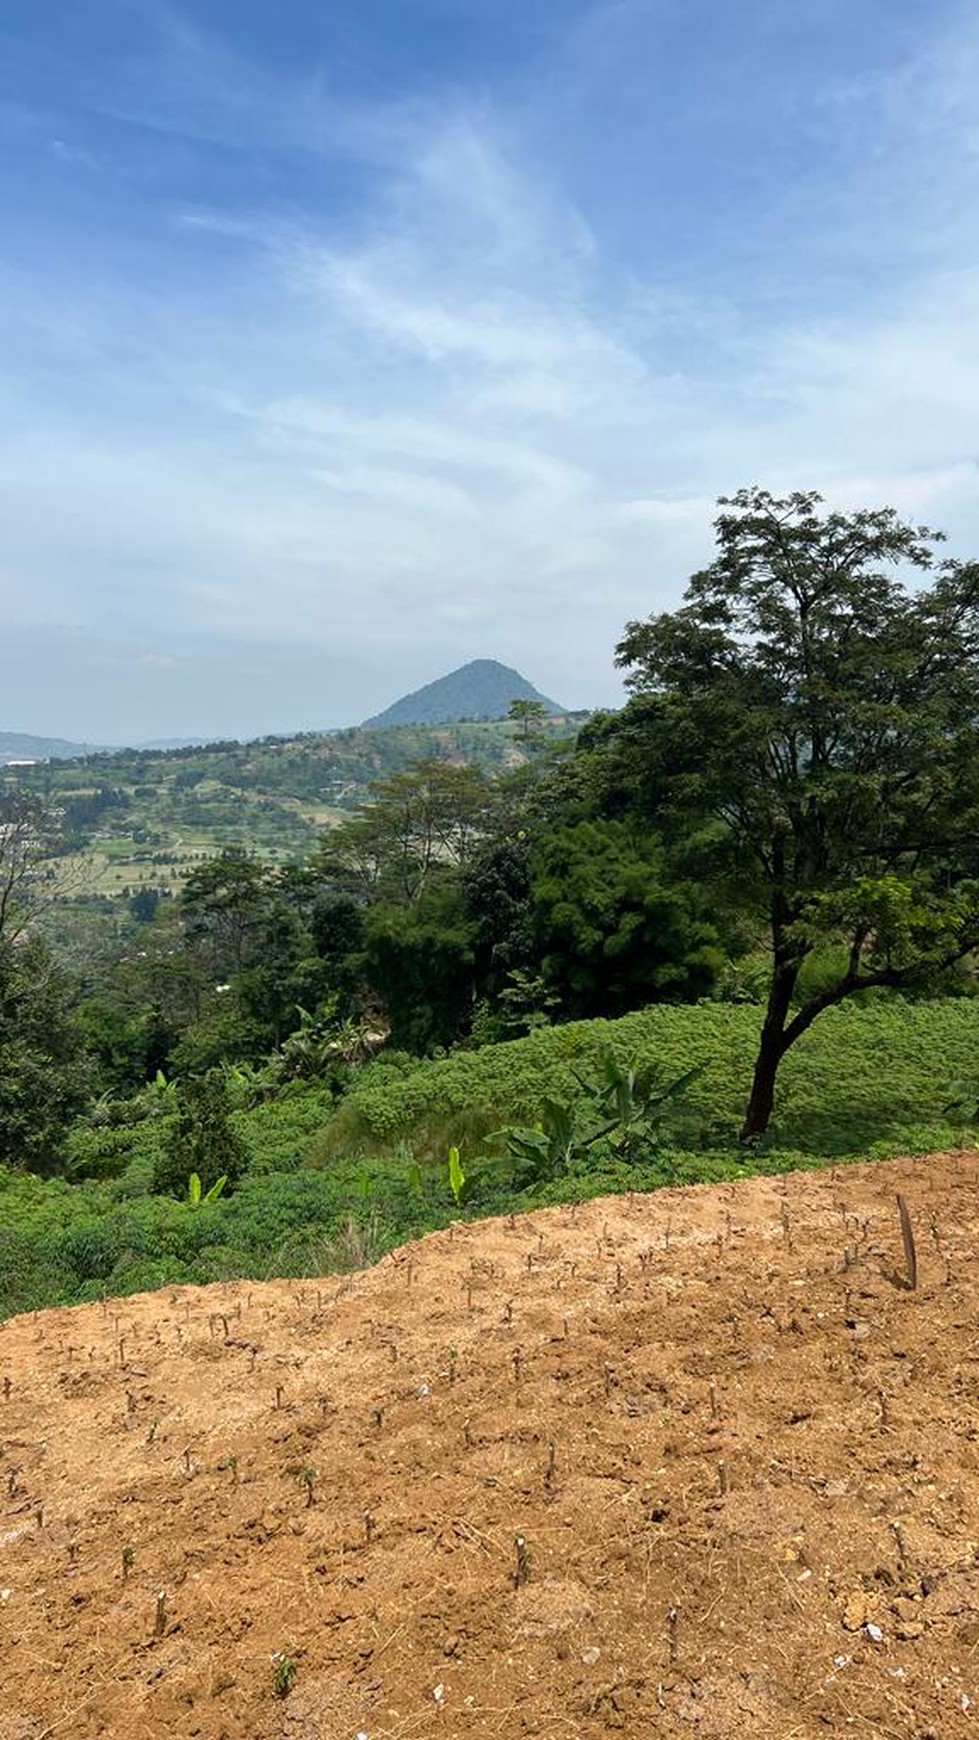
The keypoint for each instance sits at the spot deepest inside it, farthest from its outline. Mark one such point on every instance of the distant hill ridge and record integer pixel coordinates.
(22, 746)
(479, 691)
(483, 689)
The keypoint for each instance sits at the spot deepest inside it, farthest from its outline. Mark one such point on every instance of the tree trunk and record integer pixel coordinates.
(770, 1052)
(779, 1033)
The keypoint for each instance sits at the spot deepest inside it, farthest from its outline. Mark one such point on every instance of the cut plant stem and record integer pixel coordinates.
(910, 1254)
(549, 1475)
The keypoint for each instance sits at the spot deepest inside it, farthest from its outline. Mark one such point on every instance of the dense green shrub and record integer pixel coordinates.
(612, 929)
(200, 1139)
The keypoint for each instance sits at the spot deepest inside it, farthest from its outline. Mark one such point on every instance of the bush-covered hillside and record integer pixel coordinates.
(332, 1186)
(866, 1079)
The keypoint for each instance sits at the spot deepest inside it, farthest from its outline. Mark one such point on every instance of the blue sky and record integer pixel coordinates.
(340, 343)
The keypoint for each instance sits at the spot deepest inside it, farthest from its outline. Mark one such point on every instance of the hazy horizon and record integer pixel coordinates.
(343, 345)
(274, 672)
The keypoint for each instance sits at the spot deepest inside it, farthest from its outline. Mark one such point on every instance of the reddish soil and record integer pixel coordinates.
(742, 1456)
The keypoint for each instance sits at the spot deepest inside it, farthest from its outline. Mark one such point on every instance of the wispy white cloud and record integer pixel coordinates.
(450, 418)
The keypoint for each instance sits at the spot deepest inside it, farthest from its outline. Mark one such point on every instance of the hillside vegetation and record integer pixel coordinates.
(331, 1184)
(483, 689)
(138, 820)
(735, 924)
(22, 745)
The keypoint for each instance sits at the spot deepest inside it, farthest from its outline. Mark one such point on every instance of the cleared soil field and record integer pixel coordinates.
(693, 1463)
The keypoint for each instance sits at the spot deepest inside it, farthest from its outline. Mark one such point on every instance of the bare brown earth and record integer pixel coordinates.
(743, 1459)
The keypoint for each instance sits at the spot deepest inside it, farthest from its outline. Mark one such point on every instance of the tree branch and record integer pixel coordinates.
(891, 978)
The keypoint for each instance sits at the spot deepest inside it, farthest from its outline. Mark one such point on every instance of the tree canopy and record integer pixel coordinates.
(816, 715)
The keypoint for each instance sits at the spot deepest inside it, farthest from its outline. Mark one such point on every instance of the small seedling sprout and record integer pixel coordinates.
(457, 1178)
(285, 1673)
(307, 1480)
(937, 1238)
(229, 1466)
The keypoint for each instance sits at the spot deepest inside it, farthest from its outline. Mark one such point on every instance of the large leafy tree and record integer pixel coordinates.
(225, 903)
(201, 1139)
(813, 707)
(419, 961)
(29, 833)
(417, 825)
(614, 930)
(44, 1072)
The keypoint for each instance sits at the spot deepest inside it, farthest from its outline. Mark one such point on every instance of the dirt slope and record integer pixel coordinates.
(743, 1461)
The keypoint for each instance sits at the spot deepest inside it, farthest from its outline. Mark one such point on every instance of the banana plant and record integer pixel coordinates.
(628, 1109)
(200, 1199)
(457, 1178)
(637, 1103)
